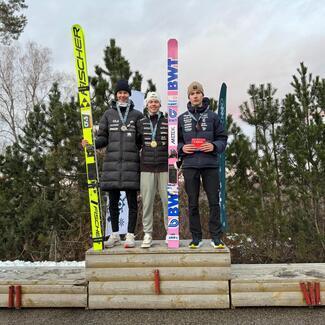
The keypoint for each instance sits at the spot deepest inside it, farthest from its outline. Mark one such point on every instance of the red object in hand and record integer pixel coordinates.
(197, 142)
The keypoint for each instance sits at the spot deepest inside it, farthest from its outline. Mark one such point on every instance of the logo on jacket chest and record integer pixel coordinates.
(189, 123)
(204, 124)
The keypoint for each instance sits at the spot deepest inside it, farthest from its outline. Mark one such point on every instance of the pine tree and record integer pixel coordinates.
(15, 194)
(213, 104)
(137, 81)
(263, 113)
(11, 25)
(47, 200)
(116, 67)
(240, 179)
(282, 193)
(151, 87)
(303, 161)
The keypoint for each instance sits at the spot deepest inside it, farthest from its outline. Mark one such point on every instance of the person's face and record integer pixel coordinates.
(153, 106)
(122, 96)
(196, 98)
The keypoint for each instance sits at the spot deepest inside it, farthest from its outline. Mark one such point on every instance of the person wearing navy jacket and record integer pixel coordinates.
(201, 137)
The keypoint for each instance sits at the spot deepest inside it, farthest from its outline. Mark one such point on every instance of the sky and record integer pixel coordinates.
(239, 42)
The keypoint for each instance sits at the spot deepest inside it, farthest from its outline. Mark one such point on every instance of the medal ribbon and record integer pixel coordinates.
(123, 119)
(200, 116)
(154, 129)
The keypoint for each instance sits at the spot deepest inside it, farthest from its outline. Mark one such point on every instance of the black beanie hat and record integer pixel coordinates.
(122, 85)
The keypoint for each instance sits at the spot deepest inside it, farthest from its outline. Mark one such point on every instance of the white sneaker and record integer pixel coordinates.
(147, 241)
(113, 240)
(129, 241)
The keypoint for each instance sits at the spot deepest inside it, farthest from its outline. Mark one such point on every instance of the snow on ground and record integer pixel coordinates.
(63, 264)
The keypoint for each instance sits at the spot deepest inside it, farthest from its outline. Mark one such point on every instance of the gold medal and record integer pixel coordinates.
(124, 128)
(153, 144)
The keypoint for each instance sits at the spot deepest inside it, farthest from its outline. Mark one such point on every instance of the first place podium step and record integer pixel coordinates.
(158, 277)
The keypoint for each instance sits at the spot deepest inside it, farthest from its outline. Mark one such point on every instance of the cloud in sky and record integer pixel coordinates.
(239, 42)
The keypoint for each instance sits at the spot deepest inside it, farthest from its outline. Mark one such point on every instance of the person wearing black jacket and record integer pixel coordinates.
(121, 167)
(201, 137)
(153, 131)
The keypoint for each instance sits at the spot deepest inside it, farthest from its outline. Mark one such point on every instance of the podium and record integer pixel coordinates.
(158, 277)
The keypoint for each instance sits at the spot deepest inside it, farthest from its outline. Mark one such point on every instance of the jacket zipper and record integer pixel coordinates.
(121, 156)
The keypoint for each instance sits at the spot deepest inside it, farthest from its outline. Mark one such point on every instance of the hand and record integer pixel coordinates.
(84, 143)
(188, 148)
(207, 147)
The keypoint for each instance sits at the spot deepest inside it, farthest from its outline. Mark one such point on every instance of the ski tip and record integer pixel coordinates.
(76, 26)
(172, 41)
(223, 92)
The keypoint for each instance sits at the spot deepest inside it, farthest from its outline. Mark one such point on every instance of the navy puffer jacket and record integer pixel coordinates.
(210, 129)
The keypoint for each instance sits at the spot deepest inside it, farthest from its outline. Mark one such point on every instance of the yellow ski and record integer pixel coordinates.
(87, 130)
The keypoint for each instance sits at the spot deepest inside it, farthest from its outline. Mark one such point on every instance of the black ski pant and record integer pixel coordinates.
(210, 180)
(114, 197)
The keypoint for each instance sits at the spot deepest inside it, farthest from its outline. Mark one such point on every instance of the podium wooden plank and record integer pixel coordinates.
(262, 286)
(165, 273)
(262, 299)
(196, 259)
(166, 288)
(48, 300)
(48, 289)
(159, 302)
(54, 300)
(39, 275)
(278, 272)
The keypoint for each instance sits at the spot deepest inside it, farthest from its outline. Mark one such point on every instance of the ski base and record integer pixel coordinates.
(87, 131)
(172, 188)
(173, 216)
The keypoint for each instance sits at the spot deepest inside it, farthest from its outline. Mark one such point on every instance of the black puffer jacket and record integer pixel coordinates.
(121, 170)
(211, 130)
(154, 160)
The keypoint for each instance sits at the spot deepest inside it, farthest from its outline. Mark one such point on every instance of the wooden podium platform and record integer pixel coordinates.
(257, 285)
(43, 287)
(158, 277)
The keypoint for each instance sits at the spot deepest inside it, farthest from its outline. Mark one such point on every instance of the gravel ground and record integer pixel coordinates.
(258, 316)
